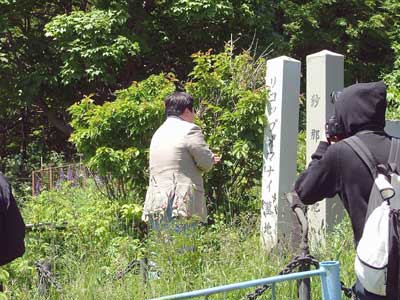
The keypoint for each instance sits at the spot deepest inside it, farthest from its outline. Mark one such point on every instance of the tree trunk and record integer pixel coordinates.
(58, 123)
(24, 157)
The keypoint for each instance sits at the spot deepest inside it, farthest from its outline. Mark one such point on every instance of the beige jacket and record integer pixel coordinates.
(178, 157)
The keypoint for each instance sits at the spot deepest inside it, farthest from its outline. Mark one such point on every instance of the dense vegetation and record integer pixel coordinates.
(53, 53)
(99, 242)
(231, 93)
(88, 78)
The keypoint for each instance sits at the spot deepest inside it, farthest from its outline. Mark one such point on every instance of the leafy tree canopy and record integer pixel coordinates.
(357, 29)
(93, 45)
(54, 53)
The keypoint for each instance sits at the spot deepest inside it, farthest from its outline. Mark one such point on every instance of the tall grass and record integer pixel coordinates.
(88, 254)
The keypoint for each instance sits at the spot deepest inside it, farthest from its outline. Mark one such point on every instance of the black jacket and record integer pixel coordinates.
(12, 227)
(336, 169)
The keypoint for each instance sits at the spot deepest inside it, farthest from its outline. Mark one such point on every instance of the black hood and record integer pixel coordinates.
(362, 106)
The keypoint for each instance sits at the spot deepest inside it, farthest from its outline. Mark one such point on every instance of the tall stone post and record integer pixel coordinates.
(324, 76)
(280, 148)
(393, 128)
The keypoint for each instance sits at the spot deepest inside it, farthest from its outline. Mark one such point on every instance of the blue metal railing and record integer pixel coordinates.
(328, 272)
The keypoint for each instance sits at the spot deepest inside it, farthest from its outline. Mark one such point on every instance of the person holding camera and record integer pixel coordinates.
(336, 169)
(179, 156)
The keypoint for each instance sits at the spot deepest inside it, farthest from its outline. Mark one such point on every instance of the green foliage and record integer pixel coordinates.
(18, 80)
(392, 79)
(231, 95)
(3, 279)
(393, 95)
(218, 255)
(93, 45)
(357, 29)
(83, 224)
(98, 241)
(201, 10)
(86, 50)
(54, 53)
(227, 254)
(340, 247)
(180, 28)
(115, 137)
(301, 152)
(3, 275)
(91, 220)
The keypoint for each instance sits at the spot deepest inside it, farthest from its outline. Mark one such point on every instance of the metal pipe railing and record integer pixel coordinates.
(328, 272)
(331, 287)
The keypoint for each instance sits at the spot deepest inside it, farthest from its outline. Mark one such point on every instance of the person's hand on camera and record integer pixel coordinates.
(333, 139)
(216, 159)
(330, 140)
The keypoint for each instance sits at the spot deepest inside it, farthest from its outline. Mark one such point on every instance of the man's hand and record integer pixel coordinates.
(333, 139)
(216, 159)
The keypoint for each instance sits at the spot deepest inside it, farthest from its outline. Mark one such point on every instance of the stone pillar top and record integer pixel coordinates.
(283, 57)
(324, 53)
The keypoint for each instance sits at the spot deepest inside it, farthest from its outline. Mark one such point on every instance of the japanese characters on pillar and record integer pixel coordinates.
(315, 133)
(280, 147)
(269, 189)
(324, 75)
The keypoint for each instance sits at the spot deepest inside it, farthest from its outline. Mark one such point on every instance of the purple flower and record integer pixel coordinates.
(38, 186)
(70, 174)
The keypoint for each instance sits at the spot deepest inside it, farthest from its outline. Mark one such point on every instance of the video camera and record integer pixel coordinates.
(334, 130)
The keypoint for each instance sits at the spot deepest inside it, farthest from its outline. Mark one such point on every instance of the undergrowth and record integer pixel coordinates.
(101, 237)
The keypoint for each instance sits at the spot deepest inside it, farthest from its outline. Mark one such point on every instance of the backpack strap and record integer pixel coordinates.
(359, 147)
(362, 151)
(394, 155)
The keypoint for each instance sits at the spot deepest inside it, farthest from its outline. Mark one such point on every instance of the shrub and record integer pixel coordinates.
(114, 138)
(231, 96)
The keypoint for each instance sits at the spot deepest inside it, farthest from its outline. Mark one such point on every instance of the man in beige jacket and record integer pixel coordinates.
(178, 157)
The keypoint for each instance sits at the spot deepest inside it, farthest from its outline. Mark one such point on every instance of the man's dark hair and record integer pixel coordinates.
(176, 103)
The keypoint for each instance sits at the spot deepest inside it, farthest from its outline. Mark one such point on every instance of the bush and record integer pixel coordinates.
(231, 96)
(114, 138)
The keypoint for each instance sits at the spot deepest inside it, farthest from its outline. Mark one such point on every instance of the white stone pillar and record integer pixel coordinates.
(393, 128)
(280, 148)
(324, 75)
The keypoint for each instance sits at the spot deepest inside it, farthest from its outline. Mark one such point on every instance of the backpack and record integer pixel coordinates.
(377, 254)
(12, 227)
